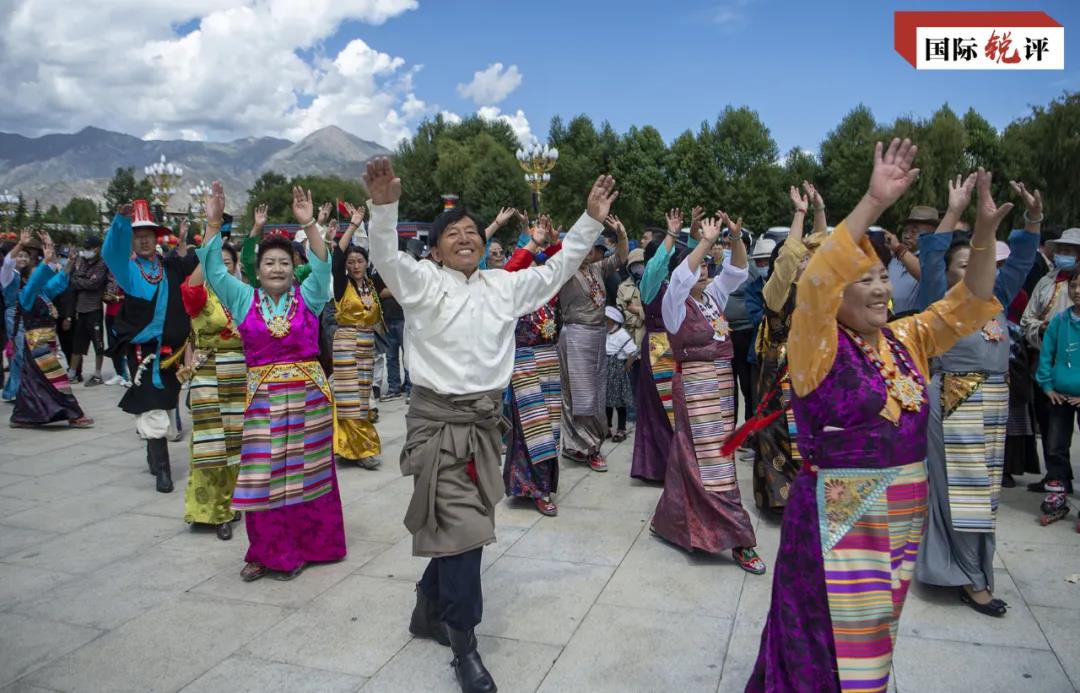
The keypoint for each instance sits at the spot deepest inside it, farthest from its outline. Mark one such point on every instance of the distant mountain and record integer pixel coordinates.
(54, 168)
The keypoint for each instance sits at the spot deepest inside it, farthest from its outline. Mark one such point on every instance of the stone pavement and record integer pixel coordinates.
(104, 588)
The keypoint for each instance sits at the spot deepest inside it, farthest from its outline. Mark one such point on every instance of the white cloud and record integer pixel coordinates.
(491, 85)
(517, 121)
(239, 72)
(450, 117)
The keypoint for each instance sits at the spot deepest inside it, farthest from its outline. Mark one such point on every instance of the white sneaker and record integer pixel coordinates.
(125, 382)
(115, 380)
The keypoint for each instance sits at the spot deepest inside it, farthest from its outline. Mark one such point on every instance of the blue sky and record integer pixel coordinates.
(801, 65)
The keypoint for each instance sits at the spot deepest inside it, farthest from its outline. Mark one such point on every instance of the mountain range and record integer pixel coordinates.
(52, 169)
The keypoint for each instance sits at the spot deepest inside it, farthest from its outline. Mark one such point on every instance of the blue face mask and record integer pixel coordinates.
(1064, 262)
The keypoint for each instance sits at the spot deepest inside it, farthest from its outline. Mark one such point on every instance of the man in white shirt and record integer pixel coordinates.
(459, 349)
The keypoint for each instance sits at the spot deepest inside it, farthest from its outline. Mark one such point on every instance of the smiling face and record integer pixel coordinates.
(460, 246)
(356, 265)
(144, 243)
(496, 255)
(865, 307)
(22, 260)
(702, 280)
(957, 266)
(275, 271)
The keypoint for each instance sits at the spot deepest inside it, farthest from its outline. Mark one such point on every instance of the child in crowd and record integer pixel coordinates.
(621, 352)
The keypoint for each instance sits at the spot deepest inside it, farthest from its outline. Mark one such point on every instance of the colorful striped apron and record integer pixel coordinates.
(537, 391)
(709, 391)
(974, 431)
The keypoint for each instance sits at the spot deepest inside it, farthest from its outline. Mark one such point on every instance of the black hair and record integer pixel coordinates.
(1049, 233)
(953, 249)
(228, 248)
(676, 259)
(274, 243)
(650, 250)
(609, 234)
(355, 249)
(449, 217)
(1074, 273)
(775, 254)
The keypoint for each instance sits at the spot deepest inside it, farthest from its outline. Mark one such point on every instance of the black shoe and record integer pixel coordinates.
(150, 466)
(995, 607)
(1040, 486)
(159, 449)
(1007, 481)
(425, 621)
(224, 531)
(472, 675)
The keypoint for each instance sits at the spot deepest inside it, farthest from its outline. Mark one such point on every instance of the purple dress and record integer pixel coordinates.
(700, 508)
(652, 430)
(287, 484)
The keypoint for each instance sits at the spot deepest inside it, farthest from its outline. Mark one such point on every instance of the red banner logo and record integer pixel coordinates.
(980, 40)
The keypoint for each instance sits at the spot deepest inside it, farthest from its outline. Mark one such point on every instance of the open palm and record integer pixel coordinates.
(893, 173)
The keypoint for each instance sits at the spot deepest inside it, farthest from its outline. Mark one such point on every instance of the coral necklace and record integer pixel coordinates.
(278, 325)
(905, 388)
(157, 270)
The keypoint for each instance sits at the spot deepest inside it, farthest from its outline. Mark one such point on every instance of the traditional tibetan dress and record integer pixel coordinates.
(358, 314)
(855, 513)
(218, 392)
(287, 486)
(583, 359)
(700, 508)
(44, 392)
(969, 407)
(12, 284)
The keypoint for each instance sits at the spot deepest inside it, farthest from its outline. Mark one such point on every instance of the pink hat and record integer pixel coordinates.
(1001, 251)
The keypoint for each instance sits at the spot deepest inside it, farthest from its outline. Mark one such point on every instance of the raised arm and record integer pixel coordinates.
(505, 215)
(622, 244)
(821, 225)
(116, 249)
(235, 294)
(1023, 246)
(656, 269)
(892, 176)
(933, 284)
(733, 274)
(673, 305)
(304, 211)
(960, 192)
(982, 266)
(409, 281)
(356, 217)
(537, 285)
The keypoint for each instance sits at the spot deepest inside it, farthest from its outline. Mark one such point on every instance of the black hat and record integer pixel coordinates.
(91, 242)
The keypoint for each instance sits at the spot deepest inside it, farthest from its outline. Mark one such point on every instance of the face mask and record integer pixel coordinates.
(86, 254)
(637, 272)
(1064, 262)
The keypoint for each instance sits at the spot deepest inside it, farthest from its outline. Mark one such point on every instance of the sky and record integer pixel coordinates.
(224, 69)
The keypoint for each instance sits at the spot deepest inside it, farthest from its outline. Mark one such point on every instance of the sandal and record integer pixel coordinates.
(995, 607)
(253, 571)
(748, 560)
(81, 422)
(546, 507)
(619, 437)
(285, 577)
(373, 415)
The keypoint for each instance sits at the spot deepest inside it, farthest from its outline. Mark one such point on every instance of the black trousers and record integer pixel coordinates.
(1061, 419)
(453, 582)
(743, 341)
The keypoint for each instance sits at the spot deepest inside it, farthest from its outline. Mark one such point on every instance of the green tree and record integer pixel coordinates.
(123, 188)
(37, 219)
(81, 211)
(275, 191)
(21, 216)
(847, 159)
(638, 166)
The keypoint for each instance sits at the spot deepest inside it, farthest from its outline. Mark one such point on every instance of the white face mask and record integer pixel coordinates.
(86, 254)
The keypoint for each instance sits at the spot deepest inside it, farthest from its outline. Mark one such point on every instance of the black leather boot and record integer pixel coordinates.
(159, 451)
(150, 458)
(472, 675)
(425, 621)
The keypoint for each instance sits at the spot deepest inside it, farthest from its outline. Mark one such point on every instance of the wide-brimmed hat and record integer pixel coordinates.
(614, 313)
(1068, 237)
(1001, 251)
(923, 214)
(142, 219)
(763, 249)
(636, 255)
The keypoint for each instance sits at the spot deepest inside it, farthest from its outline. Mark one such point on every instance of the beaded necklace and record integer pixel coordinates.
(903, 387)
(157, 270)
(596, 289)
(278, 325)
(365, 290)
(714, 315)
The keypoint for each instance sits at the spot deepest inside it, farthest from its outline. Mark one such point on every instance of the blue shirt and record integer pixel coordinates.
(1010, 278)
(44, 280)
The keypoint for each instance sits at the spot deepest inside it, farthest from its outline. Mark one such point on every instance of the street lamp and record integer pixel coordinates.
(537, 160)
(164, 176)
(199, 193)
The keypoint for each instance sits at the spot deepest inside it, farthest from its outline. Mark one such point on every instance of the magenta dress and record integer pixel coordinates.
(701, 508)
(287, 485)
(652, 429)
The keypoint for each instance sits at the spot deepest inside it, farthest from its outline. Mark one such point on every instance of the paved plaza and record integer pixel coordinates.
(104, 588)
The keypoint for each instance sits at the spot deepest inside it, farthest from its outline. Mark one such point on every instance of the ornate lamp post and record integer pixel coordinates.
(199, 194)
(8, 202)
(537, 162)
(164, 176)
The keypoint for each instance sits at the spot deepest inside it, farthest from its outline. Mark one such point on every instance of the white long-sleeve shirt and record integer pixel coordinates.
(459, 331)
(7, 270)
(673, 308)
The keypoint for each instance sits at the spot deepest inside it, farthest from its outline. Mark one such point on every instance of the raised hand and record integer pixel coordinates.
(182, 234)
(601, 197)
(24, 236)
(734, 227)
(696, 215)
(1032, 200)
(615, 224)
(892, 240)
(124, 209)
(813, 195)
(356, 214)
(324, 213)
(960, 192)
(381, 183)
(302, 206)
(47, 247)
(523, 218)
(893, 173)
(988, 215)
(675, 219)
(710, 230)
(215, 206)
(505, 214)
(261, 215)
(801, 202)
